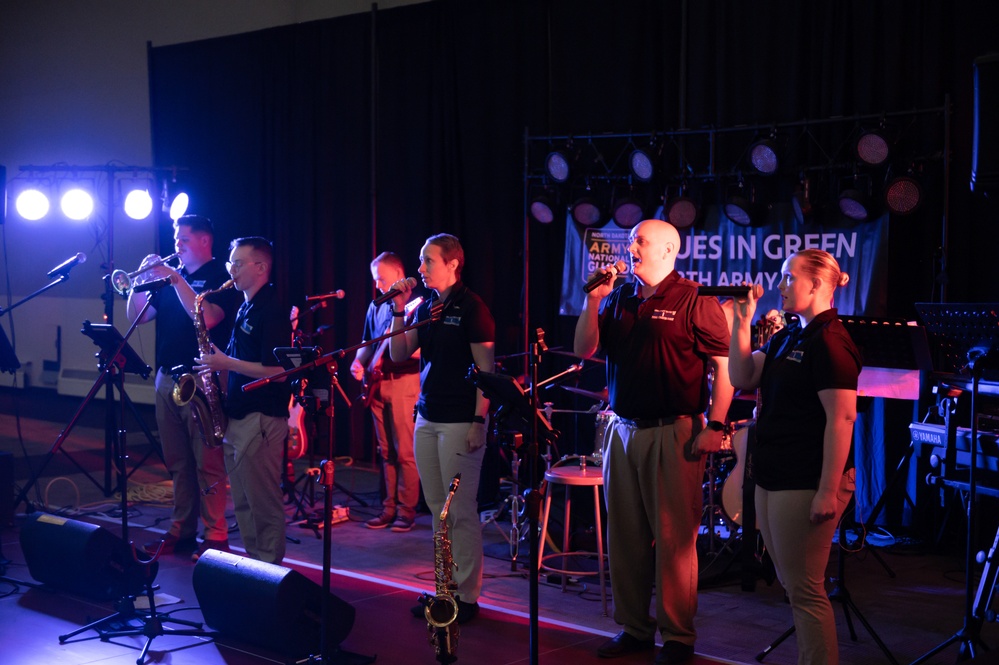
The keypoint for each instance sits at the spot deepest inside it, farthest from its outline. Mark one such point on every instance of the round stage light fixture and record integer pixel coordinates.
(32, 204)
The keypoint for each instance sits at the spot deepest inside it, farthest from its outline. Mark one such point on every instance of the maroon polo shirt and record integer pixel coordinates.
(658, 349)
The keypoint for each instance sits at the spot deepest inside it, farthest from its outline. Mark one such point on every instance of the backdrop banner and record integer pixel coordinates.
(718, 252)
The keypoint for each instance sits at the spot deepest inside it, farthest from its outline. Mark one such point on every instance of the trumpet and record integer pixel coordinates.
(124, 281)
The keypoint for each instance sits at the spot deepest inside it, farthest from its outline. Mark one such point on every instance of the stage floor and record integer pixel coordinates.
(913, 609)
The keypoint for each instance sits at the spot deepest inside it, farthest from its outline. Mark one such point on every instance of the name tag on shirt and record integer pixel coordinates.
(796, 356)
(663, 315)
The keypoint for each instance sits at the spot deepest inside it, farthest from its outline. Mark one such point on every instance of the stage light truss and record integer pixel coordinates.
(82, 191)
(846, 165)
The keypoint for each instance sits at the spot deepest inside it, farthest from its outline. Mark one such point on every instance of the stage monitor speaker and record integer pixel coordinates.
(985, 144)
(81, 558)
(267, 605)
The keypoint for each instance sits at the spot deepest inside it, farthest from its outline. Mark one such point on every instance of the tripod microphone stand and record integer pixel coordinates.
(841, 594)
(316, 402)
(120, 624)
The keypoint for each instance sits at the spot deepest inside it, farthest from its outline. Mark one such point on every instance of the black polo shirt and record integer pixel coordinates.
(376, 323)
(176, 341)
(261, 325)
(445, 355)
(791, 424)
(658, 349)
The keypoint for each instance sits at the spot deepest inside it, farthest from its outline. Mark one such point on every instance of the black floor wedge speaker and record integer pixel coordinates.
(267, 605)
(81, 558)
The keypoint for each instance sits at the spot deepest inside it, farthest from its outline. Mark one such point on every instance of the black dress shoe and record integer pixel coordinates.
(674, 652)
(466, 611)
(622, 644)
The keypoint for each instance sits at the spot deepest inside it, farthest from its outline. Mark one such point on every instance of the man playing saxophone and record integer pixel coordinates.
(258, 419)
(197, 470)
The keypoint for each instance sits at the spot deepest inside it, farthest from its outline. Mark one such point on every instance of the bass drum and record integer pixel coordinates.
(731, 491)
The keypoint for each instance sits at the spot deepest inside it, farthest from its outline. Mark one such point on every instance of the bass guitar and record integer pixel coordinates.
(372, 372)
(298, 438)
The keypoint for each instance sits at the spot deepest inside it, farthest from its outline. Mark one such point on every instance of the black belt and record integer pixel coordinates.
(646, 423)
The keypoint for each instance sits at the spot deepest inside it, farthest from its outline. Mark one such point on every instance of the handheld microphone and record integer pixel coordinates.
(392, 293)
(731, 291)
(153, 285)
(619, 268)
(338, 294)
(64, 267)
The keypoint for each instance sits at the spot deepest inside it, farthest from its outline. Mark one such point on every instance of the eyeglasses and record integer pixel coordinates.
(239, 263)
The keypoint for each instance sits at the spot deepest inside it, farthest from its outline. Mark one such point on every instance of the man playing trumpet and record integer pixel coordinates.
(197, 471)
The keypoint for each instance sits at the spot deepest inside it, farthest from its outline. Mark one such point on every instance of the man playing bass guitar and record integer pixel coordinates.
(391, 389)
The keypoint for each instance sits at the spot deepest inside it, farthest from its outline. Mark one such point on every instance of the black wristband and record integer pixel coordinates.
(399, 314)
(479, 419)
(715, 426)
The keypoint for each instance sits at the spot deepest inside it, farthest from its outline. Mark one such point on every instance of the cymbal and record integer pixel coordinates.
(599, 396)
(570, 354)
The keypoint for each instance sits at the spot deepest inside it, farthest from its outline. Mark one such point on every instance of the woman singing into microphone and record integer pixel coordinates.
(450, 434)
(807, 376)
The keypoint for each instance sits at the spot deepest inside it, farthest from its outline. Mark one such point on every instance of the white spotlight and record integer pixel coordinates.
(138, 204)
(77, 204)
(32, 205)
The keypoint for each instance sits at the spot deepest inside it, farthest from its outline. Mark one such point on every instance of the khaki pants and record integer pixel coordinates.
(654, 502)
(441, 452)
(800, 552)
(254, 448)
(392, 410)
(197, 471)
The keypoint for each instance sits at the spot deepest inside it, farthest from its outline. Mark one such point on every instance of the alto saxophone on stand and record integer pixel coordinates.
(203, 390)
(441, 610)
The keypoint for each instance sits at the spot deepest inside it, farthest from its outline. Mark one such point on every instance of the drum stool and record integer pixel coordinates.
(570, 474)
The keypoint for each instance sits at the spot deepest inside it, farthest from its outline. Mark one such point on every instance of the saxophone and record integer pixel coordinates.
(441, 610)
(202, 390)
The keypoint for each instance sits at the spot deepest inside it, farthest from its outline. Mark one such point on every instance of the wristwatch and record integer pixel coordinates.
(715, 426)
(479, 419)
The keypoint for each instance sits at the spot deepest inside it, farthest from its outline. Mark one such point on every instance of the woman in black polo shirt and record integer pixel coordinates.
(451, 413)
(807, 377)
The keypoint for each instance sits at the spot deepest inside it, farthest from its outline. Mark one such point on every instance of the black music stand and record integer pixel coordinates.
(116, 358)
(966, 332)
(892, 351)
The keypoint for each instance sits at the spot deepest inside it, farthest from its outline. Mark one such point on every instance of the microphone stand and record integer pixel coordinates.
(327, 653)
(62, 277)
(534, 497)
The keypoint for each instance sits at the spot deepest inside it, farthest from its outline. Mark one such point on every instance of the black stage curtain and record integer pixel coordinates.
(275, 127)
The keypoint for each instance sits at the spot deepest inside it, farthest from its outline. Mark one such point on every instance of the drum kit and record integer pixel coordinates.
(724, 471)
